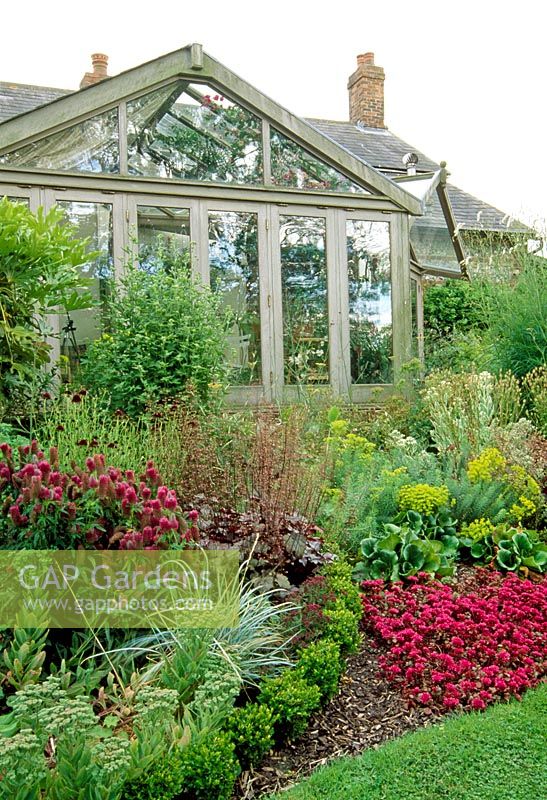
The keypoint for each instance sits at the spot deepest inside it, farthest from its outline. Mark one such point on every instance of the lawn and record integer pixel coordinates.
(497, 755)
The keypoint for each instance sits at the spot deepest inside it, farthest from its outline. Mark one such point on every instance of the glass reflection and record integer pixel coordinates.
(93, 221)
(192, 132)
(164, 237)
(305, 310)
(294, 167)
(89, 146)
(431, 238)
(23, 200)
(233, 265)
(369, 282)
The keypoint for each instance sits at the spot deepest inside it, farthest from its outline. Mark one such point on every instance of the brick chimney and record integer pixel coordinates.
(99, 63)
(366, 93)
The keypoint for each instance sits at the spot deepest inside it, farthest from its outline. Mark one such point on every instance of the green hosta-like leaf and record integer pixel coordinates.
(414, 520)
(537, 560)
(389, 527)
(451, 545)
(481, 550)
(432, 563)
(414, 554)
(540, 555)
(369, 546)
(523, 545)
(389, 542)
(446, 569)
(507, 559)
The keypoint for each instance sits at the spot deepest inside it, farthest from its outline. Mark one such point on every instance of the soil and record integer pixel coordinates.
(365, 713)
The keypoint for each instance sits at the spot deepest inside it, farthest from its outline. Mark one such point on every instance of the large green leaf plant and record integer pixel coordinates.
(41, 264)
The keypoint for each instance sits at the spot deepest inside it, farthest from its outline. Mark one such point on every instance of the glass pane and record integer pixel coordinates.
(369, 281)
(192, 132)
(24, 200)
(233, 264)
(164, 237)
(431, 240)
(94, 222)
(293, 166)
(421, 186)
(305, 310)
(89, 146)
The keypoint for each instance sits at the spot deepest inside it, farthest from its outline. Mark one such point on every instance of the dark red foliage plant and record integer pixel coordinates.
(450, 649)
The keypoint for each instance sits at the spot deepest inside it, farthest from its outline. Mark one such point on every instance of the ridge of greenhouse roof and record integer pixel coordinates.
(377, 148)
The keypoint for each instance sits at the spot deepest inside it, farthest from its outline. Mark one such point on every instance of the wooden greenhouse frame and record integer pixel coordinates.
(385, 200)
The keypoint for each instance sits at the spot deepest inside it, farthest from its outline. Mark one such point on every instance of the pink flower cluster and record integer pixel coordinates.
(96, 506)
(450, 649)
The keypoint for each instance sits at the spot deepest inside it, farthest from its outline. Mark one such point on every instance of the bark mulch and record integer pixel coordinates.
(365, 713)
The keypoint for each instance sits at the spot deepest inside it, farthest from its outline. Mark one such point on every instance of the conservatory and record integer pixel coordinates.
(180, 161)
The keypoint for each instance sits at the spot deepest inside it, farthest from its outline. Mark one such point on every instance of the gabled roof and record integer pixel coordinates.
(191, 62)
(378, 150)
(384, 151)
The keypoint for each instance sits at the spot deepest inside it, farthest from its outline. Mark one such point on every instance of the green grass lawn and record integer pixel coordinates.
(500, 754)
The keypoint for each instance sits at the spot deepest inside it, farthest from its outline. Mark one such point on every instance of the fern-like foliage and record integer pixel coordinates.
(481, 500)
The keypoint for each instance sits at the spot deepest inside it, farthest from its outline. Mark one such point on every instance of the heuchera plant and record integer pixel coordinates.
(451, 650)
(95, 506)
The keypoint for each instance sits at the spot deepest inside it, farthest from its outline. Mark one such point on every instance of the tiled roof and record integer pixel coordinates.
(17, 98)
(383, 150)
(377, 147)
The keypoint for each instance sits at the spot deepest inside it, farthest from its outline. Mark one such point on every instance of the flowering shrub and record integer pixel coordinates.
(422, 498)
(486, 467)
(522, 492)
(96, 506)
(478, 529)
(450, 650)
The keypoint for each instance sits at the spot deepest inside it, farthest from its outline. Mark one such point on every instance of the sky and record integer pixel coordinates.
(466, 82)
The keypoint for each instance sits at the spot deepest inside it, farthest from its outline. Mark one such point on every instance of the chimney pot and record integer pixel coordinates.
(365, 58)
(99, 62)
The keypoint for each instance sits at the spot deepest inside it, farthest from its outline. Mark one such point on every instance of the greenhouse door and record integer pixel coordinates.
(224, 243)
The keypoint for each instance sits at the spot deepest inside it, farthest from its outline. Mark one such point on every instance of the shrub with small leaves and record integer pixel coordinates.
(162, 781)
(292, 700)
(251, 728)
(167, 337)
(343, 628)
(340, 582)
(209, 769)
(321, 664)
